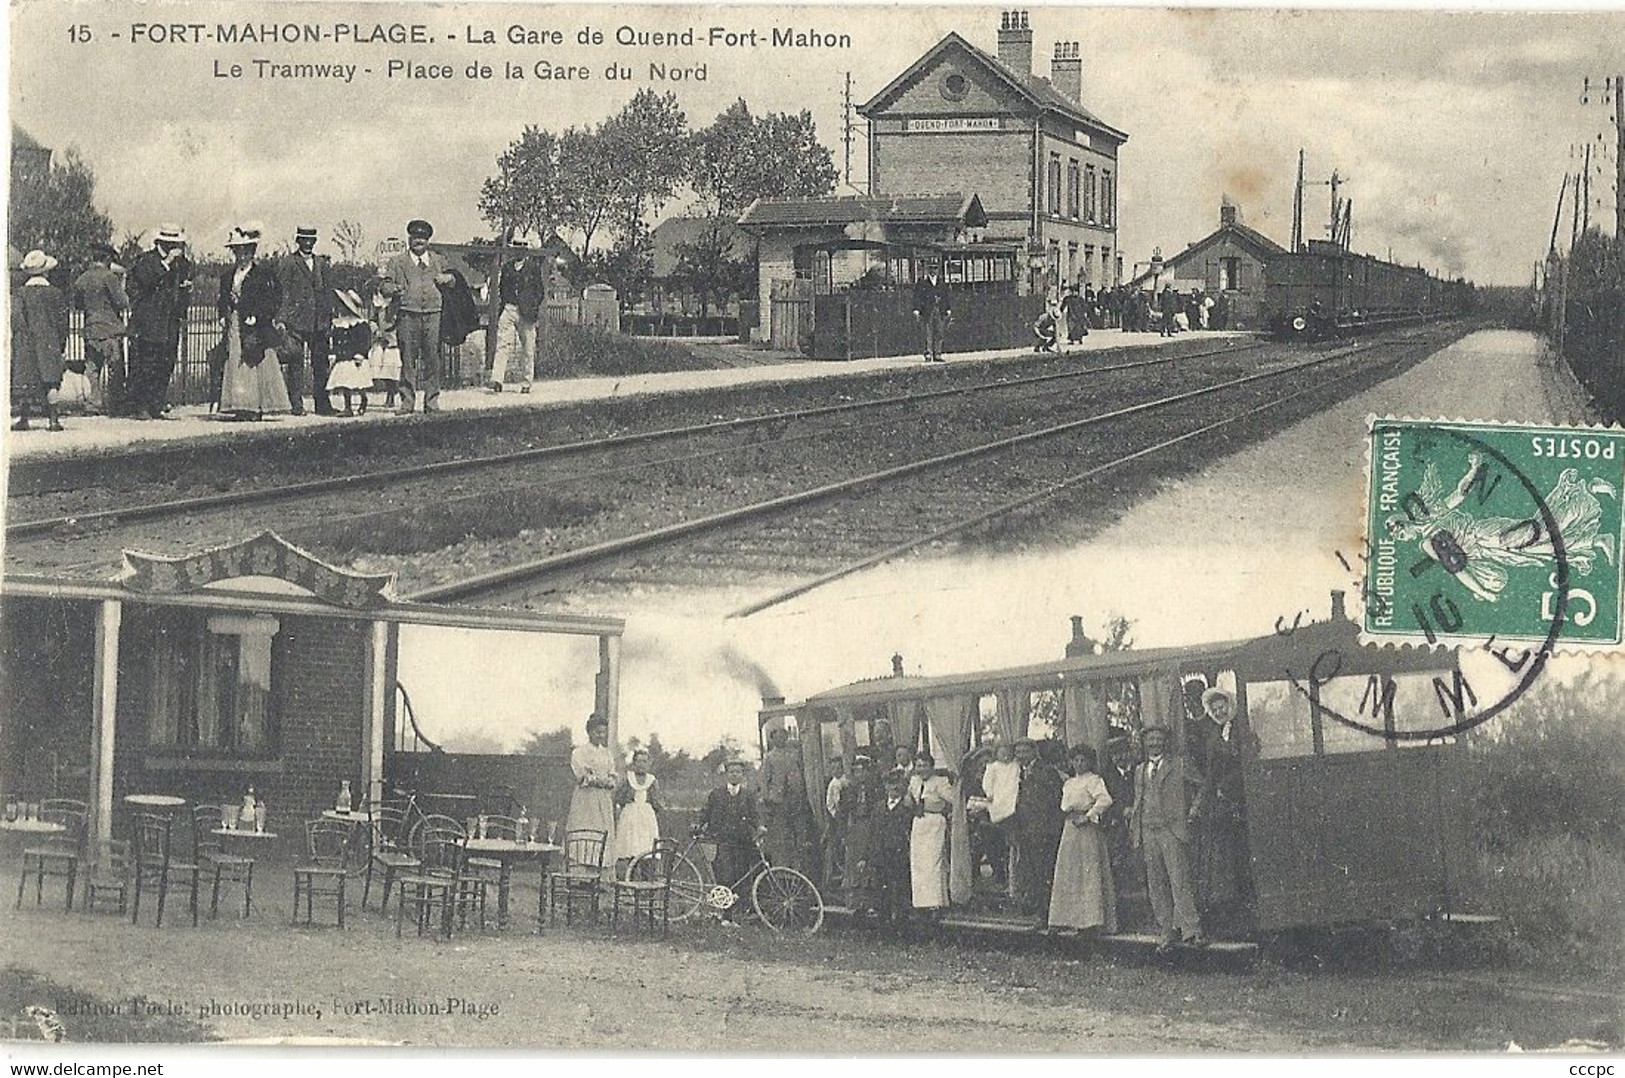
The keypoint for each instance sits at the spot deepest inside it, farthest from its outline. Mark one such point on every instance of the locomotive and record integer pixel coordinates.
(1326, 291)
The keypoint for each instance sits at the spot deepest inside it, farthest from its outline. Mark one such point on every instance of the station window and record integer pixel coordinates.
(1229, 274)
(1054, 178)
(1108, 199)
(1072, 192)
(208, 684)
(1089, 263)
(1091, 195)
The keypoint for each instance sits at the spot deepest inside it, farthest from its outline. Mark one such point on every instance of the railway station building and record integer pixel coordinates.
(251, 665)
(1228, 262)
(1044, 166)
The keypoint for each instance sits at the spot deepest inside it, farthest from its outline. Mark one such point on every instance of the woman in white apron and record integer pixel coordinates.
(928, 839)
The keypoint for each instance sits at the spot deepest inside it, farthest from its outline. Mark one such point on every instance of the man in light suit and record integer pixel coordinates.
(1164, 810)
(419, 273)
(306, 319)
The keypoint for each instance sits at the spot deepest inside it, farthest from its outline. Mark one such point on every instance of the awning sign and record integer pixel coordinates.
(265, 555)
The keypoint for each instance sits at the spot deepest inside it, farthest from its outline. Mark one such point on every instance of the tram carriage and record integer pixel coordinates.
(1339, 827)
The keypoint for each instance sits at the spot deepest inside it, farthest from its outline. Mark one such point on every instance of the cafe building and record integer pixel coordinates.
(251, 665)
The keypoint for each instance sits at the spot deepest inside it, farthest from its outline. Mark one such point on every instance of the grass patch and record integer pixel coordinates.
(579, 351)
(1560, 896)
(88, 1018)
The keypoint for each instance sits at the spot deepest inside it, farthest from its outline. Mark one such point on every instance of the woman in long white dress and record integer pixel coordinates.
(1084, 896)
(928, 838)
(250, 297)
(592, 805)
(637, 829)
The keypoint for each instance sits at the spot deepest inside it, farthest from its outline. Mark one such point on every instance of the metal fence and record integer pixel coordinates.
(460, 365)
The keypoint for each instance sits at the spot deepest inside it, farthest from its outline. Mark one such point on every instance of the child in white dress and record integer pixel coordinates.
(351, 342)
(638, 828)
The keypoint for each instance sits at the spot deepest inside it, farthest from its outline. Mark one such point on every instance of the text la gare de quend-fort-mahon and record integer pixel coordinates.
(410, 34)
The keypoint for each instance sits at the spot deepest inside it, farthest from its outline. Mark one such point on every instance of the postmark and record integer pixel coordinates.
(1482, 531)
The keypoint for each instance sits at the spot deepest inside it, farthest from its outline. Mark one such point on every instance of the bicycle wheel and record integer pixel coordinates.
(787, 901)
(688, 883)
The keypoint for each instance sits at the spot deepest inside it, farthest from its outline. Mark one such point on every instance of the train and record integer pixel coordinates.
(1326, 291)
(1337, 825)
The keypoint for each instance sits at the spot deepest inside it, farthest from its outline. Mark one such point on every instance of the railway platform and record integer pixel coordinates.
(99, 437)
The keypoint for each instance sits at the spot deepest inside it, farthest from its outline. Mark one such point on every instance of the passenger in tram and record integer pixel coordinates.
(835, 829)
(1166, 792)
(1084, 896)
(1119, 778)
(928, 839)
(1038, 823)
(893, 877)
(1217, 841)
(860, 803)
(784, 801)
(1001, 781)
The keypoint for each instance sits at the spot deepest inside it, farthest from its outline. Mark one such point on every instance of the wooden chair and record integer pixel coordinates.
(108, 875)
(58, 856)
(439, 883)
(386, 850)
(326, 868)
(581, 879)
(209, 853)
(489, 868)
(647, 898)
(156, 866)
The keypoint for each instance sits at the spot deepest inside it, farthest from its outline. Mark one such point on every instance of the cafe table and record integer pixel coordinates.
(162, 802)
(32, 827)
(507, 851)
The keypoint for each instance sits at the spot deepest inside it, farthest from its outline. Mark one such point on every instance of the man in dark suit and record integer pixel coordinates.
(306, 319)
(1167, 800)
(732, 822)
(99, 292)
(931, 308)
(1038, 824)
(1169, 307)
(160, 287)
(1118, 775)
(860, 804)
(893, 826)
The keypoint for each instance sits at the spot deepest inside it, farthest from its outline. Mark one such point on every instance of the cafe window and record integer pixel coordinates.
(210, 684)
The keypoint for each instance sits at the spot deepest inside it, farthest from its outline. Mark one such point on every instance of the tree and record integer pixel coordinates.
(556, 742)
(592, 177)
(56, 212)
(648, 144)
(737, 160)
(530, 191)
(348, 237)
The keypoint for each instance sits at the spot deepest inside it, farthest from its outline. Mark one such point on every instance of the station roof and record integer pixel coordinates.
(950, 207)
(1033, 89)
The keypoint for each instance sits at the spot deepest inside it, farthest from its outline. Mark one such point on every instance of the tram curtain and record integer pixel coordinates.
(1085, 709)
(950, 718)
(1012, 711)
(905, 729)
(813, 771)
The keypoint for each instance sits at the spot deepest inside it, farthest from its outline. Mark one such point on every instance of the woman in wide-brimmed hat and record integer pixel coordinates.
(249, 300)
(39, 333)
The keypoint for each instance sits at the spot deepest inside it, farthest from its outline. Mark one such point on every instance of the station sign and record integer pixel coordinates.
(390, 248)
(265, 555)
(951, 124)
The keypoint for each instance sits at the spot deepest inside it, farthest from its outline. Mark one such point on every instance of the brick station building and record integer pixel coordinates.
(1227, 263)
(1044, 167)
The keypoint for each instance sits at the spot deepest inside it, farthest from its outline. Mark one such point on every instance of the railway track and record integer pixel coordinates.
(379, 480)
(941, 495)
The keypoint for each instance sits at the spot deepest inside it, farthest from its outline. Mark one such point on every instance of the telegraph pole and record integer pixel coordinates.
(1619, 158)
(1297, 208)
(846, 127)
(1585, 196)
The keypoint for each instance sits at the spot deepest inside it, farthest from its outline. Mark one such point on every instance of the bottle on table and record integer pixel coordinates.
(346, 800)
(245, 815)
(523, 826)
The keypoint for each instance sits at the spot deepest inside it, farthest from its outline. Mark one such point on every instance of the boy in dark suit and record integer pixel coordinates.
(732, 821)
(895, 822)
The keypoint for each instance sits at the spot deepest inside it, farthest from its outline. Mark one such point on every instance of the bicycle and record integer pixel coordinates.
(785, 900)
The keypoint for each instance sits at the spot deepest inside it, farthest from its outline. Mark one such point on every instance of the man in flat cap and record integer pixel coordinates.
(419, 273)
(99, 292)
(731, 820)
(160, 288)
(306, 320)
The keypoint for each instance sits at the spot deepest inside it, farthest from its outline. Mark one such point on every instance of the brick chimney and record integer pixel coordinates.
(896, 666)
(1016, 42)
(1066, 70)
(1229, 213)
(1080, 644)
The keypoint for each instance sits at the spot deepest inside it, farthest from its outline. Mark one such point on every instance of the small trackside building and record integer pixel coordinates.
(1229, 264)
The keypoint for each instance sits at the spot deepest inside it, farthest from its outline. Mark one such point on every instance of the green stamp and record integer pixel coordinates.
(1479, 531)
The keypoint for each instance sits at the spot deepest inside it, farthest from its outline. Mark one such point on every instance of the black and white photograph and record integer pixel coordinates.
(814, 531)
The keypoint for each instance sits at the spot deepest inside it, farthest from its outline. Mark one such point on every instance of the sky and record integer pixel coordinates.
(1454, 129)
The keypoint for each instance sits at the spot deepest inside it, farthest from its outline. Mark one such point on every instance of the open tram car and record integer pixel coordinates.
(1339, 827)
(1326, 291)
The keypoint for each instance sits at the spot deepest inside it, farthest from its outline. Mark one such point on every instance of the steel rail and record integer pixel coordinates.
(158, 510)
(1016, 504)
(574, 560)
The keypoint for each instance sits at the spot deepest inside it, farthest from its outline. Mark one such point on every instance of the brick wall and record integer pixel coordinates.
(995, 165)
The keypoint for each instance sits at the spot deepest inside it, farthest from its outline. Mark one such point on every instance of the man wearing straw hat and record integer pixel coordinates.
(306, 318)
(160, 287)
(99, 292)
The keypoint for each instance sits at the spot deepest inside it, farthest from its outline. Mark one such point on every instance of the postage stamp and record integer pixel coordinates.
(1480, 531)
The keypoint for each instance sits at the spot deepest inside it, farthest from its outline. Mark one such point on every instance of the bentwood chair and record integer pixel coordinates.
(210, 855)
(648, 898)
(58, 856)
(440, 884)
(326, 868)
(157, 868)
(582, 877)
(386, 850)
(108, 876)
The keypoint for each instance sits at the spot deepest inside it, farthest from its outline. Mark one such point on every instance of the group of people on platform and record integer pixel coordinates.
(1068, 318)
(280, 318)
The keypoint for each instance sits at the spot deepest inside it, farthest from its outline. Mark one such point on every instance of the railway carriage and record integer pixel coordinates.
(1338, 826)
(1326, 291)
